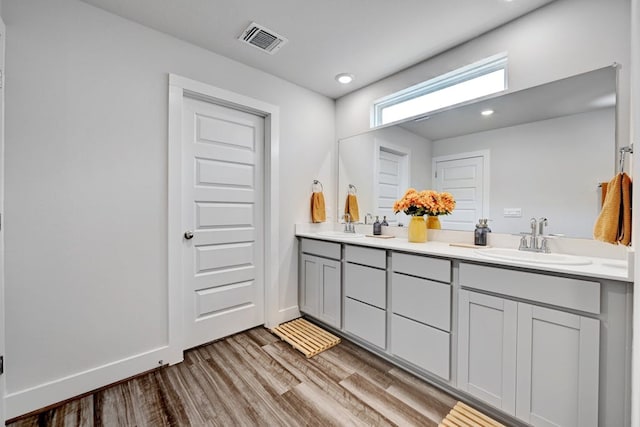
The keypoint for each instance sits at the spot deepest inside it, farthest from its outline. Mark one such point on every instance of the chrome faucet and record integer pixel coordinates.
(348, 225)
(537, 240)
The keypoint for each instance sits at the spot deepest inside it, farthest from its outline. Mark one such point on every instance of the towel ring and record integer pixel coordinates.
(352, 187)
(316, 182)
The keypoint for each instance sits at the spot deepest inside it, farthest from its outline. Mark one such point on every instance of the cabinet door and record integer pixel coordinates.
(558, 356)
(487, 331)
(308, 286)
(329, 296)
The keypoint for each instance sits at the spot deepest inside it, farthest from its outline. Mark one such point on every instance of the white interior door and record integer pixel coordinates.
(222, 187)
(465, 177)
(2, 352)
(392, 182)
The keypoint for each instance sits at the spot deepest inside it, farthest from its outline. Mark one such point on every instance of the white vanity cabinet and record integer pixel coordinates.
(421, 312)
(320, 280)
(365, 291)
(540, 364)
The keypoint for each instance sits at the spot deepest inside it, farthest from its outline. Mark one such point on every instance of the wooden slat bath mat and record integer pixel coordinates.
(306, 337)
(462, 415)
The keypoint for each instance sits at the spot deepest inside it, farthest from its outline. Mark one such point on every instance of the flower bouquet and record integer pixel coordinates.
(426, 202)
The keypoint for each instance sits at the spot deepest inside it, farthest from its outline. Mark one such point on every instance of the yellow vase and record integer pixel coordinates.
(417, 231)
(433, 222)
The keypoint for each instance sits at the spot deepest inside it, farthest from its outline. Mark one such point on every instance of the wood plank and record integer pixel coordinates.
(255, 378)
(392, 408)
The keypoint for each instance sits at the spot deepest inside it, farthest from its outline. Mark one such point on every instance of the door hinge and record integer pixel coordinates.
(1, 365)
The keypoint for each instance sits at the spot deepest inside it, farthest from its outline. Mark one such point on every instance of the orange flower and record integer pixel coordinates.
(425, 202)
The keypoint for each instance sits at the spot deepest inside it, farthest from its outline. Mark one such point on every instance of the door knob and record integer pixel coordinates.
(188, 234)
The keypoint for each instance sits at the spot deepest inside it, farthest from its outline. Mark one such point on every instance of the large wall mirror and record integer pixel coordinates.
(542, 153)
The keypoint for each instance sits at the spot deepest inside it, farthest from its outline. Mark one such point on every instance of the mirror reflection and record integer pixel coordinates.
(542, 152)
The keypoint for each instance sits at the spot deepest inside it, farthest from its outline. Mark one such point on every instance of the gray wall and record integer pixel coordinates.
(564, 38)
(86, 186)
(549, 168)
(357, 159)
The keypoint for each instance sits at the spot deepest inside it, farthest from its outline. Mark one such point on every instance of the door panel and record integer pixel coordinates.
(463, 178)
(309, 267)
(487, 349)
(222, 205)
(392, 182)
(557, 367)
(330, 298)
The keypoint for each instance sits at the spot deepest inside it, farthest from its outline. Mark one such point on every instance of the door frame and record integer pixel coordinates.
(381, 144)
(486, 176)
(3, 391)
(179, 87)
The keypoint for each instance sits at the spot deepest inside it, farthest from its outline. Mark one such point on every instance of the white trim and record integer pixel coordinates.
(635, 138)
(455, 77)
(381, 144)
(3, 390)
(178, 87)
(486, 176)
(42, 395)
(286, 314)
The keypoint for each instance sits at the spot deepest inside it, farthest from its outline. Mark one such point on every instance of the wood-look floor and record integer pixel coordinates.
(254, 379)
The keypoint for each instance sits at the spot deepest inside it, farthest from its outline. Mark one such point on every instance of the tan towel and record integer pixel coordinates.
(351, 207)
(614, 222)
(624, 232)
(318, 211)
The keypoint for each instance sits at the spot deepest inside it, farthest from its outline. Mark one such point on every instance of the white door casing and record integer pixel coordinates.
(180, 89)
(392, 180)
(2, 331)
(222, 211)
(466, 177)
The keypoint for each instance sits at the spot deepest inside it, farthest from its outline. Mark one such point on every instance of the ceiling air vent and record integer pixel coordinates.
(262, 38)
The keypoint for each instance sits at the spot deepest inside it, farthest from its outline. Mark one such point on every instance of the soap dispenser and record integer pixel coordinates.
(377, 227)
(480, 234)
(384, 221)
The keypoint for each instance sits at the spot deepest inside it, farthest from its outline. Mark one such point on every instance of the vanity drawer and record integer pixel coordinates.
(422, 300)
(320, 248)
(366, 284)
(574, 294)
(366, 322)
(422, 266)
(421, 345)
(366, 256)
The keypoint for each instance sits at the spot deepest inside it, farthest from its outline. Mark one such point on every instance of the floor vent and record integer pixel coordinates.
(306, 337)
(262, 38)
(465, 416)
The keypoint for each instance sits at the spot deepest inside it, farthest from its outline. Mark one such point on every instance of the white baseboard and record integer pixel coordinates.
(38, 397)
(284, 315)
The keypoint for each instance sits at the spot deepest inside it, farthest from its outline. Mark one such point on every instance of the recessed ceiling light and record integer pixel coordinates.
(487, 112)
(344, 78)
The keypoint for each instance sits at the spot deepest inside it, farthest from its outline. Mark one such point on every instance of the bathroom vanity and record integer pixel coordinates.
(544, 344)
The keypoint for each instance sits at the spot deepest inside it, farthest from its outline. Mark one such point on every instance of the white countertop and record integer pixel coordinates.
(602, 268)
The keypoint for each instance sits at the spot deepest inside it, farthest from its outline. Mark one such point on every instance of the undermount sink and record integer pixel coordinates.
(341, 234)
(532, 257)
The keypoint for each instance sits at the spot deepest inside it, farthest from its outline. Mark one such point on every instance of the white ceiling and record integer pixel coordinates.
(371, 39)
